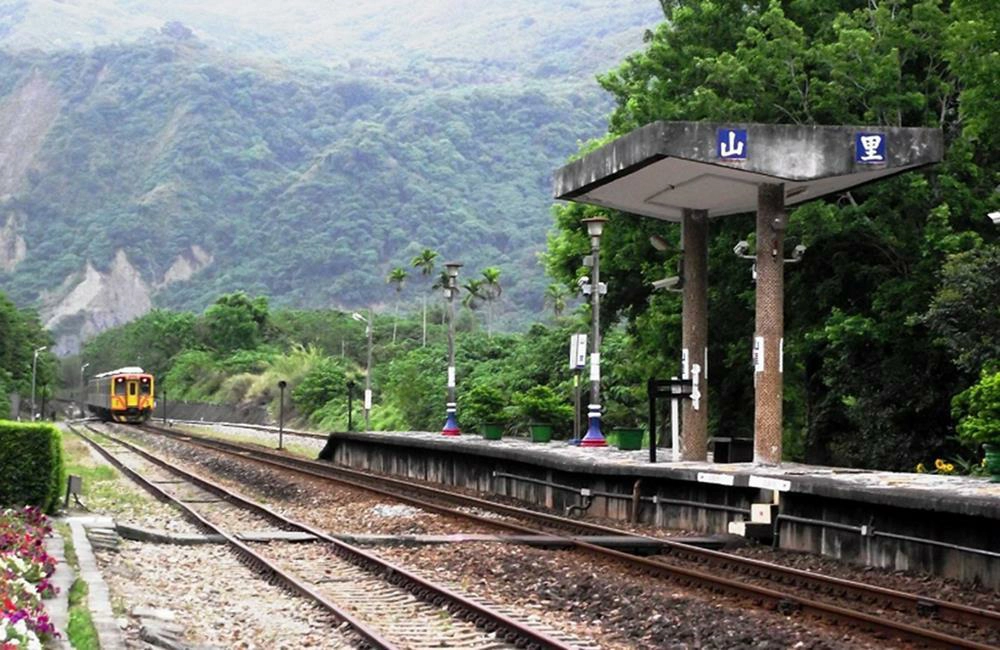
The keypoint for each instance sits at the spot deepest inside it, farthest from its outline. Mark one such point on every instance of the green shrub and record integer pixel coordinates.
(326, 381)
(979, 409)
(5, 388)
(540, 404)
(31, 465)
(482, 404)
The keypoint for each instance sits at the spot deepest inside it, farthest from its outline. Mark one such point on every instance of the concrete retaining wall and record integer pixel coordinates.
(179, 410)
(711, 506)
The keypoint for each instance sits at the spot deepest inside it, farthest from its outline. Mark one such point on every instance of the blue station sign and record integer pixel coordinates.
(869, 148)
(731, 144)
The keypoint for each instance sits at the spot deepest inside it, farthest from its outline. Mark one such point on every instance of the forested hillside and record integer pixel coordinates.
(185, 172)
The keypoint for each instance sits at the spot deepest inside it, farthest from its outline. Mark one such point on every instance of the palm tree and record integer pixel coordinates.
(473, 293)
(425, 262)
(396, 277)
(441, 283)
(555, 296)
(491, 290)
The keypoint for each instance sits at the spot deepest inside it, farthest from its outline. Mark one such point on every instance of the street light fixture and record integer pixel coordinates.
(594, 437)
(34, 372)
(281, 414)
(659, 243)
(369, 323)
(451, 423)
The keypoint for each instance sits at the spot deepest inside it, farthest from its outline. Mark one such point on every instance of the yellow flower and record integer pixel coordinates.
(920, 468)
(939, 464)
(948, 468)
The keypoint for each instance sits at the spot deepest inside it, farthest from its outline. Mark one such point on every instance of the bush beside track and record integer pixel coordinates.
(31, 464)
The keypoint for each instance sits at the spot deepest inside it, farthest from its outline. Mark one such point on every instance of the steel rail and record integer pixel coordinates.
(248, 556)
(899, 600)
(910, 603)
(481, 616)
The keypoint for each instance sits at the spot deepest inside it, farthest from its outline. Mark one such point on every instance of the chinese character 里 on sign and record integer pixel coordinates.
(869, 148)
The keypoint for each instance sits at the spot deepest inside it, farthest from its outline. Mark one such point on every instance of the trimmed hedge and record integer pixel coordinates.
(31, 465)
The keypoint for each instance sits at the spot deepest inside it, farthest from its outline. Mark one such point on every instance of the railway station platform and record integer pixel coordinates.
(943, 525)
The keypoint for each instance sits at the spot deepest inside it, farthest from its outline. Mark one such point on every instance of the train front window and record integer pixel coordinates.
(131, 388)
(119, 388)
(144, 388)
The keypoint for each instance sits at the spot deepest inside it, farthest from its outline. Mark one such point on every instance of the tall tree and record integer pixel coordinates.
(490, 291)
(425, 262)
(236, 322)
(440, 284)
(396, 278)
(473, 294)
(555, 297)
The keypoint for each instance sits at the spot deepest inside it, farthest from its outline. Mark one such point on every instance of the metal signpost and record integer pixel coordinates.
(677, 390)
(577, 362)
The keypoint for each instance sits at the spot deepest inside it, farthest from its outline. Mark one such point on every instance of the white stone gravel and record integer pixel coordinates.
(219, 601)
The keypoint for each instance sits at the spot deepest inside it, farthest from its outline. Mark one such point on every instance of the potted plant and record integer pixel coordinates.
(979, 411)
(482, 407)
(541, 410)
(623, 411)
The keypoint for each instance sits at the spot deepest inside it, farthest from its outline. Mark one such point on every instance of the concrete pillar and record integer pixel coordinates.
(694, 333)
(770, 324)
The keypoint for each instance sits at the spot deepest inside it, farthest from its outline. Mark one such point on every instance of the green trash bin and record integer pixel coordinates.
(540, 432)
(628, 439)
(492, 431)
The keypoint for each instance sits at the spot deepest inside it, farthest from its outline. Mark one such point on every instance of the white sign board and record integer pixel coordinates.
(577, 351)
(758, 354)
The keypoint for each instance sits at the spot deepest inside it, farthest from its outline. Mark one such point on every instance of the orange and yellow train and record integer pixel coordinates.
(123, 395)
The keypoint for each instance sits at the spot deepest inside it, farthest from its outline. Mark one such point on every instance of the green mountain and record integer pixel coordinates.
(184, 163)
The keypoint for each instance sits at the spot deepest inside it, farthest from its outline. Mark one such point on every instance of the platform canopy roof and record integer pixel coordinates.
(663, 168)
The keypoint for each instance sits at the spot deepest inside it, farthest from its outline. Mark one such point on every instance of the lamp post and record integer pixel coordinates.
(83, 390)
(350, 405)
(594, 437)
(451, 407)
(281, 413)
(34, 372)
(369, 326)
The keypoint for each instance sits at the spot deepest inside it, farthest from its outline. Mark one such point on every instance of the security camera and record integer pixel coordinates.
(798, 252)
(995, 218)
(659, 243)
(673, 283)
(741, 249)
(581, 281)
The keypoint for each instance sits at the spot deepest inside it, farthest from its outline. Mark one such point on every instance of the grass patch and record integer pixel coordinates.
(80, 630)
(104, 488)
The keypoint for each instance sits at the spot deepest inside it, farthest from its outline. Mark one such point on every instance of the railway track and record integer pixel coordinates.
(389, 607)
(911, 617)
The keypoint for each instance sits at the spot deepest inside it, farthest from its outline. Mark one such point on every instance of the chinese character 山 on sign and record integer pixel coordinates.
(731, 144)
